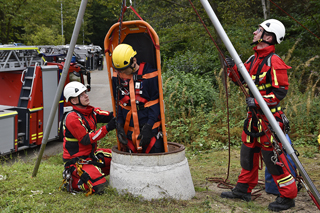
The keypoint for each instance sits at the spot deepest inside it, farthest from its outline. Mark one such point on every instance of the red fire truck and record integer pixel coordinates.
(28, 83)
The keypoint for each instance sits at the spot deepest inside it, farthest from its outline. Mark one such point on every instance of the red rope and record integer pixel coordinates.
(154, 43)
(222, 181)
(294, 19)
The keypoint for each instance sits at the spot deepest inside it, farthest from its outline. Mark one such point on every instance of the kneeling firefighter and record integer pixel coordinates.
(135, 88)
(85, 165)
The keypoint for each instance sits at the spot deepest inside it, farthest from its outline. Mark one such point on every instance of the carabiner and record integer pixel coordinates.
(82, 161)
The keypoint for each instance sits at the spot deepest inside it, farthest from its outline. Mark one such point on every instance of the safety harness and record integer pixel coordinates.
(133, 102)
(256, 77)
(97, 159)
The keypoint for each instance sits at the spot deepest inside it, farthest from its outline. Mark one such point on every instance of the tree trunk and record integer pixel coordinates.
(265, 16)
(268, 9)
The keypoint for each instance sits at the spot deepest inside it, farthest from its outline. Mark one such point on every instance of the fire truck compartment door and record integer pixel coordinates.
(7, 130)
(50, 76)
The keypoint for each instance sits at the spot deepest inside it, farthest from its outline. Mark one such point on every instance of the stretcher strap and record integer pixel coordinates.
(133, 149)
(131, 146)
(145, 76)
(153, 139)
(128, 118)
(155, 125)
(126, 124)
(134, 112)
(150, 75)
(152, 142)
(148, 104)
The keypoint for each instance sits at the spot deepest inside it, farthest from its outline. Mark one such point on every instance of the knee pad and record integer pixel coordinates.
(272, 168)
(246, 156)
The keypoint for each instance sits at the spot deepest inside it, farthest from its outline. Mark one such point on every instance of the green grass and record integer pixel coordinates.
(22, 193)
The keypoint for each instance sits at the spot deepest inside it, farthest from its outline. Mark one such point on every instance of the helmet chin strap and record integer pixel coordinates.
(79, 103)
(260, 40)
(133, 68)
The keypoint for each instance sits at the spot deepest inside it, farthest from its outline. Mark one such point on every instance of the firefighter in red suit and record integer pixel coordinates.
(86, 166)
(269, 73)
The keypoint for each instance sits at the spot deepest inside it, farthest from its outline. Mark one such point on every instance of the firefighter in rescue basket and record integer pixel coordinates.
(135, 87)
(269, 73)
(85, 165)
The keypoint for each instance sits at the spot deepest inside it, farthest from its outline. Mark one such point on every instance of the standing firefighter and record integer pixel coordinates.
(137, 93)
(85, 165)
(269, 73)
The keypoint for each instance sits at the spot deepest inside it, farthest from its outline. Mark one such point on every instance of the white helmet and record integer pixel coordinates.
(73, 89)
(276, 27)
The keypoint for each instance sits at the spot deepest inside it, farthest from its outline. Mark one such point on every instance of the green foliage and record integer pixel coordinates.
(194, 86)
(185, 92)
(11, 20)
(310, 153)
(195, 62)
(44, 36)
(199, 119)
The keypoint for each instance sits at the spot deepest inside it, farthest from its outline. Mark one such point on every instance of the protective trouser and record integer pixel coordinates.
(91, 175)
(251, 150)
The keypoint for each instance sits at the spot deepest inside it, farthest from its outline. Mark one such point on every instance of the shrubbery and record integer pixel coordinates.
(196, 105)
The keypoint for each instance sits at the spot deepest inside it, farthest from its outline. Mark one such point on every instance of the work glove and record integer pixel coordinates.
(121, 134)
(110, 116)
(111, 125)
(145, 135)
(229, 61)
(250, 102)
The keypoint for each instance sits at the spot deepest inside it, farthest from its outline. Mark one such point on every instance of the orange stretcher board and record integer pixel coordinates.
(142, 37)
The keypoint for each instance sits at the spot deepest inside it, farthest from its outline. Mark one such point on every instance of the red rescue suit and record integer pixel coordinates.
(272, 82)
(80, 142)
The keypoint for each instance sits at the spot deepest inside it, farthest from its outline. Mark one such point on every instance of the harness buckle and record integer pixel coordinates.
(82, 161)
(137, 77)
(159, 135)
(286, 123)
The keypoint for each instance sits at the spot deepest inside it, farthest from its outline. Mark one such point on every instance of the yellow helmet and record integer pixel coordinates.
(122, 56)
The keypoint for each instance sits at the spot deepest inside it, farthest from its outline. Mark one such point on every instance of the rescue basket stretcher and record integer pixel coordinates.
(142, 37)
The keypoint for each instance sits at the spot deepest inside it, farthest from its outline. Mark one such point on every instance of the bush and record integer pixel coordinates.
(196, 106)
(184, 93)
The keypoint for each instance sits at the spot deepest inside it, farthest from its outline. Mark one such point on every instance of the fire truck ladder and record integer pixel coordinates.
(28, 76)
(27, 79)
(23, 59)
(14, 58)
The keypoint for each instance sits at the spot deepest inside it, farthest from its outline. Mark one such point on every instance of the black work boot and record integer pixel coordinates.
(281, 203)
(99, 189)
(235, 193)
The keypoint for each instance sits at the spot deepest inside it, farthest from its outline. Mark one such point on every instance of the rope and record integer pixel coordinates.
(154, 43)
(123, 8)
(294, 19)
(118, 78)
(221, 181)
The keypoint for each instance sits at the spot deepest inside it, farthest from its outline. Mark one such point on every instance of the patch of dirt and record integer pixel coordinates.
(303, 202)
